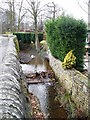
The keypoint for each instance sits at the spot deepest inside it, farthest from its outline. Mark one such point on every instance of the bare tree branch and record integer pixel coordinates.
(82, 7)
(23, 16)
(3, 9)
(53, 9)
(34, 10)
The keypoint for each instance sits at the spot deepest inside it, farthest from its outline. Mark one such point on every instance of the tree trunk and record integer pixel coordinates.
(19, 18)
(36, 35)
(19, 24)
(13, 16)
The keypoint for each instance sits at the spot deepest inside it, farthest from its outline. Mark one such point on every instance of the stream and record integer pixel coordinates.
(41, 82)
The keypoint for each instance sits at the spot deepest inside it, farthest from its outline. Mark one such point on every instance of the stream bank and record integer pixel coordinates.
(41, 81)
(75, 87)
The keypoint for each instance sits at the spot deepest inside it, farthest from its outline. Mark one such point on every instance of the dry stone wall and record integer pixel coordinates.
(12, 100)
(74, 82)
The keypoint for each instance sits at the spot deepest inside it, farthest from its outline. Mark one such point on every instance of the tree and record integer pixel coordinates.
(87, 3)
(87, 11)
(21, 14)
(40, 23)
(34, 10)
(14, 13)
(53, 10)
(4, 19)
(11, 5)
(9, 11)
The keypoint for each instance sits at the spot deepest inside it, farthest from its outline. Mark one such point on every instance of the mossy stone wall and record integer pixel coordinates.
(74, 82)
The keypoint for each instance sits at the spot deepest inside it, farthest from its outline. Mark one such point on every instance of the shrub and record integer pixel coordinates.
(44, 45)
(65, 34)
(24, 37)
(69, 60)
(27, 37)
(40, 36)
(43, 42)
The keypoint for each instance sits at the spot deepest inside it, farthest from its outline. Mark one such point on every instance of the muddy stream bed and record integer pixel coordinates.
(41, 82)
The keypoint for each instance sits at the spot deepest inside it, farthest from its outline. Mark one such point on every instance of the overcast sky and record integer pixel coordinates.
(72, 7)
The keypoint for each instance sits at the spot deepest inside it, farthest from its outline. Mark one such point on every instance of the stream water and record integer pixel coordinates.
(45, 91)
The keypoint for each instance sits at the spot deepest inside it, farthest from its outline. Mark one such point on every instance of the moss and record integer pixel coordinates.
(16, 44)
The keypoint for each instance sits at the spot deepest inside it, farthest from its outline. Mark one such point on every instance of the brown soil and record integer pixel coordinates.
(36, 112)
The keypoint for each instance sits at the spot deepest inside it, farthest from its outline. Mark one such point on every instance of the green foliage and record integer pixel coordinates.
(40, 36)
(65, 34)
(67, 103)
(43, 45)
(24, 37)
(16, 45)
(69, 60)
(27, 37)
(43, 42)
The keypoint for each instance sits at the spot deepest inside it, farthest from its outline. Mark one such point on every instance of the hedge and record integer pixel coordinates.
(27, 37)
(65, 34)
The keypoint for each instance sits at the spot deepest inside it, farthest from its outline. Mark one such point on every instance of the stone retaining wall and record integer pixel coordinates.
(74, 82)
(13, 103)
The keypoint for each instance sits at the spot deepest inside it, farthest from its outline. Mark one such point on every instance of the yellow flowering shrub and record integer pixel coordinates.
(69, 60)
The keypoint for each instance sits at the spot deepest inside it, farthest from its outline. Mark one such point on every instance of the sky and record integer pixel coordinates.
(72, 7)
